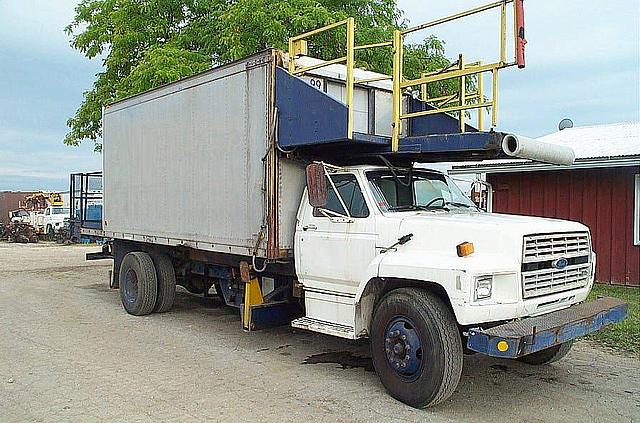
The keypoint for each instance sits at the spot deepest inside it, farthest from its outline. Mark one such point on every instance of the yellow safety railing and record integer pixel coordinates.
(298, 47)
(459, 102)
(465, 101)
(475, 98)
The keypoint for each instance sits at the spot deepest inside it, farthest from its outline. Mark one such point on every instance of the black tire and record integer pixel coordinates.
(166, 275)
(138, 283)
(432, 372)
(548, 355)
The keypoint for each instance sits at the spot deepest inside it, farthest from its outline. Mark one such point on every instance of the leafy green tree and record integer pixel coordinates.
(147, 43)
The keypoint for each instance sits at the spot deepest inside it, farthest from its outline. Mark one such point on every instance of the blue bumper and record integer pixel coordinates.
(532, 334)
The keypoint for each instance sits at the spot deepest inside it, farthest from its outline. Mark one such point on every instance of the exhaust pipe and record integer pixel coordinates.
(527, 148)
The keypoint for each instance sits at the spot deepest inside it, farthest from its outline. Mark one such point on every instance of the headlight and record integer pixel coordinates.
(484, 286)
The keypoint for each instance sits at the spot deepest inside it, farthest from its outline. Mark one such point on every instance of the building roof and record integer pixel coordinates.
(595, 141)
(609, 145)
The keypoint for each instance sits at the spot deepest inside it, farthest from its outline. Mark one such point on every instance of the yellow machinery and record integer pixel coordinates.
(458, 103)
(42, 200)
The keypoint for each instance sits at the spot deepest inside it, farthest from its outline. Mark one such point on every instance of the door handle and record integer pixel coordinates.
(309, 227)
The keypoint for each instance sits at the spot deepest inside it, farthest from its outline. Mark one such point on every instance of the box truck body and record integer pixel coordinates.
(191, 164)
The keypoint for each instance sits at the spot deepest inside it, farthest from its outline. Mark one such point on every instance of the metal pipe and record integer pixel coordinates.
(456, 16)
(520, 40)
(377, 78)
(292, 59)
(494, 98)
(452, 74)
(397, 90)
(445, 110)
(350, 64)
(385, 44)
(319, 65)
(463, 90)
(503, 32)
(319, 30)
(480, 96)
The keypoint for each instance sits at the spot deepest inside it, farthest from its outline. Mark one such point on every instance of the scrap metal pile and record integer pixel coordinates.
(18, 232)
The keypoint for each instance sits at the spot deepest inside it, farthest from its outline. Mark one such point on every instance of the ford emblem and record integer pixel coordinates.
(560, 263)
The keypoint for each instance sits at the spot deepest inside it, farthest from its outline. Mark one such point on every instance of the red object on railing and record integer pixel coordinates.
(521, 41)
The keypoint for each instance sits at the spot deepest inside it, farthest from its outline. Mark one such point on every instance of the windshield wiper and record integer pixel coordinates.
(457, 204)
(417, 207)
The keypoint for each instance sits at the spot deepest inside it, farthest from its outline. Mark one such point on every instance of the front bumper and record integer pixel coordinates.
(532, 334)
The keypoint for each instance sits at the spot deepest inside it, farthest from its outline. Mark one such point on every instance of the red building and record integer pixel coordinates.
(10, 201)
(601, 189)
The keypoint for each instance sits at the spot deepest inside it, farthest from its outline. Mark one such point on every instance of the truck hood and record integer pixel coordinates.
(490, 233)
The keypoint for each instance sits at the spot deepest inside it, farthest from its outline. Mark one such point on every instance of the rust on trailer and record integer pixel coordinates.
(271, 170)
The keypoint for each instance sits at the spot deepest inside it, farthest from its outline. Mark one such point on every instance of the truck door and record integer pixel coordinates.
(333, 253)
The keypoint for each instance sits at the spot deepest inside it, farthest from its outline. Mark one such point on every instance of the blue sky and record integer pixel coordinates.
(583, 62)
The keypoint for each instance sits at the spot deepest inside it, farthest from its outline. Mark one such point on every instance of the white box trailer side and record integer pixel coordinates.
(191, 164)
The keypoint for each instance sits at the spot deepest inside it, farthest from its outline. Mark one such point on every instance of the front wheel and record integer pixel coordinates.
(416, 347)
(547, 356)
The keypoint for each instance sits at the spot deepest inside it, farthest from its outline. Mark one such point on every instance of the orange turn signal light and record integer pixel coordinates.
(464, 249)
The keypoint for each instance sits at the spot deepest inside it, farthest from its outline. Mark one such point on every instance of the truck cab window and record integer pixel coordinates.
(415, 190)
(351, 194)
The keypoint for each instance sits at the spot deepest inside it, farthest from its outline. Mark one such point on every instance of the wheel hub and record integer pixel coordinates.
(130, 286)
(403, 347)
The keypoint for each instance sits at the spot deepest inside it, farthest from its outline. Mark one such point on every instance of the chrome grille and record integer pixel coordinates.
(543, 250)
(552, 246)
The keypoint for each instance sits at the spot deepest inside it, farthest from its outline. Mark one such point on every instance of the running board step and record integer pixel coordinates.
(322, 326)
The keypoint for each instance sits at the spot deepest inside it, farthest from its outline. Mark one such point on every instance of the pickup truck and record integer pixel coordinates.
(244, 181)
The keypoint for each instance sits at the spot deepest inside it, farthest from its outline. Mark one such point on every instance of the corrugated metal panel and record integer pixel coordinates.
(613, 140)
(602, 199)
(184, 162)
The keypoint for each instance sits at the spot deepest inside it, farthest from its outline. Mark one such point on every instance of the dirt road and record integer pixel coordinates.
(68, 352)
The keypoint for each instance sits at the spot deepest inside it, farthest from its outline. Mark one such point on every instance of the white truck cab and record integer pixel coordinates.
(520, 266)
(52, 219)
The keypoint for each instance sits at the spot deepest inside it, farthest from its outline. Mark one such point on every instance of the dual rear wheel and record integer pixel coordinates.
(147, 283)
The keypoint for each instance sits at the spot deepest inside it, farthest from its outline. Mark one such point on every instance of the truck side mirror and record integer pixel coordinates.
(317, 185)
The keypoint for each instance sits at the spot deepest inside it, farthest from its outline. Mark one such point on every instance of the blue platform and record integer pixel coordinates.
(309, 121)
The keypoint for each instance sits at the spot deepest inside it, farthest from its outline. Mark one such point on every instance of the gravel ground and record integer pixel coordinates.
(68, 352)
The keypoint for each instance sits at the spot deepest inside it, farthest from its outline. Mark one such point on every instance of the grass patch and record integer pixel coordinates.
(626, 334)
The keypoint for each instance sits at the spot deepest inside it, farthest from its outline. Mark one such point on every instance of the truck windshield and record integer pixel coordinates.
(403, 190)
(60, 210)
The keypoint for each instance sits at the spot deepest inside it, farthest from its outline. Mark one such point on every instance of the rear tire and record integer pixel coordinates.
(166, 275)
(547, 356)
(416, 347)
(138, 283)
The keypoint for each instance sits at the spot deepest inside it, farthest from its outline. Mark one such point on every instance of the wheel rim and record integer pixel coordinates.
(130, 286)
(403, 348)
